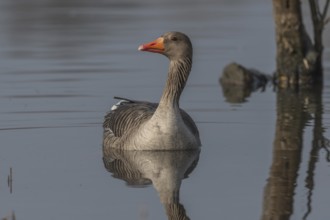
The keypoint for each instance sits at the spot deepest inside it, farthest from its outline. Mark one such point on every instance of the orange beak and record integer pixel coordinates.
(156, 46)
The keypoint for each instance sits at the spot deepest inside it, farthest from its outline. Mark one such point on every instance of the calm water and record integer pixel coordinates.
(63, 61)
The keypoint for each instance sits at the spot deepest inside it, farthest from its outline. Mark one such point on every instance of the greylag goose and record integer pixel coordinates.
(140, 125)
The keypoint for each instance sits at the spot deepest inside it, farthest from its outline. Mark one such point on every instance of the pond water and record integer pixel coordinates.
(63, 61)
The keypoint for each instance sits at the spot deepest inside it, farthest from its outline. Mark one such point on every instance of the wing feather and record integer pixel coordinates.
(129, 114)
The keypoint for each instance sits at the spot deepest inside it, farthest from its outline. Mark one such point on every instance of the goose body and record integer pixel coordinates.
(140, 125)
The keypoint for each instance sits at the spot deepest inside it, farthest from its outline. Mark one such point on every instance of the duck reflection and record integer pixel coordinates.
(165, 170)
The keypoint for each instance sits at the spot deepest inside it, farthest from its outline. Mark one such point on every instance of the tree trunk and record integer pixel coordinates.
(289, 41)
(319, 21)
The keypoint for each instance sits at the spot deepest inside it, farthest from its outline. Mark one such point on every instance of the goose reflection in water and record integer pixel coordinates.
(163, 169)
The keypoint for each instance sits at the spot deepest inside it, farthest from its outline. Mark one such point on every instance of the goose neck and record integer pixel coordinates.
(177, 77)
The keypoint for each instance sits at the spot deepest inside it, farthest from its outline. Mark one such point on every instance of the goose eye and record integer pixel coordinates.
(174, 38)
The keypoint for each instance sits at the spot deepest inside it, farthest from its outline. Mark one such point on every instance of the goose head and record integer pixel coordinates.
(174, 45)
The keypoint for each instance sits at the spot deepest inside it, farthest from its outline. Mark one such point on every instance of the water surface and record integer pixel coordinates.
(63, 61)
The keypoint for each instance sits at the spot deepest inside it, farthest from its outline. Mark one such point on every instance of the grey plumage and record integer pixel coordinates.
(133, 124)
(131, 113)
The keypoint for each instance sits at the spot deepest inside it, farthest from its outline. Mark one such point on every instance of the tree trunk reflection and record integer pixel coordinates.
(294, 110)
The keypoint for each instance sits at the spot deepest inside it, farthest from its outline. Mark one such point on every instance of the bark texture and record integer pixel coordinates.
(289, 41)
(299, 60)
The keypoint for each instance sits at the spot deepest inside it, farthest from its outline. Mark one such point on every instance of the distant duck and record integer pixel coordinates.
(140, 125)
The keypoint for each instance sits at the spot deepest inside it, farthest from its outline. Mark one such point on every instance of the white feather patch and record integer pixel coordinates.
(108, 130)
(115, 106)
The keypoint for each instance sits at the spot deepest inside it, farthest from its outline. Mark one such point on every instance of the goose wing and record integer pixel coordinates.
(128, 114)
